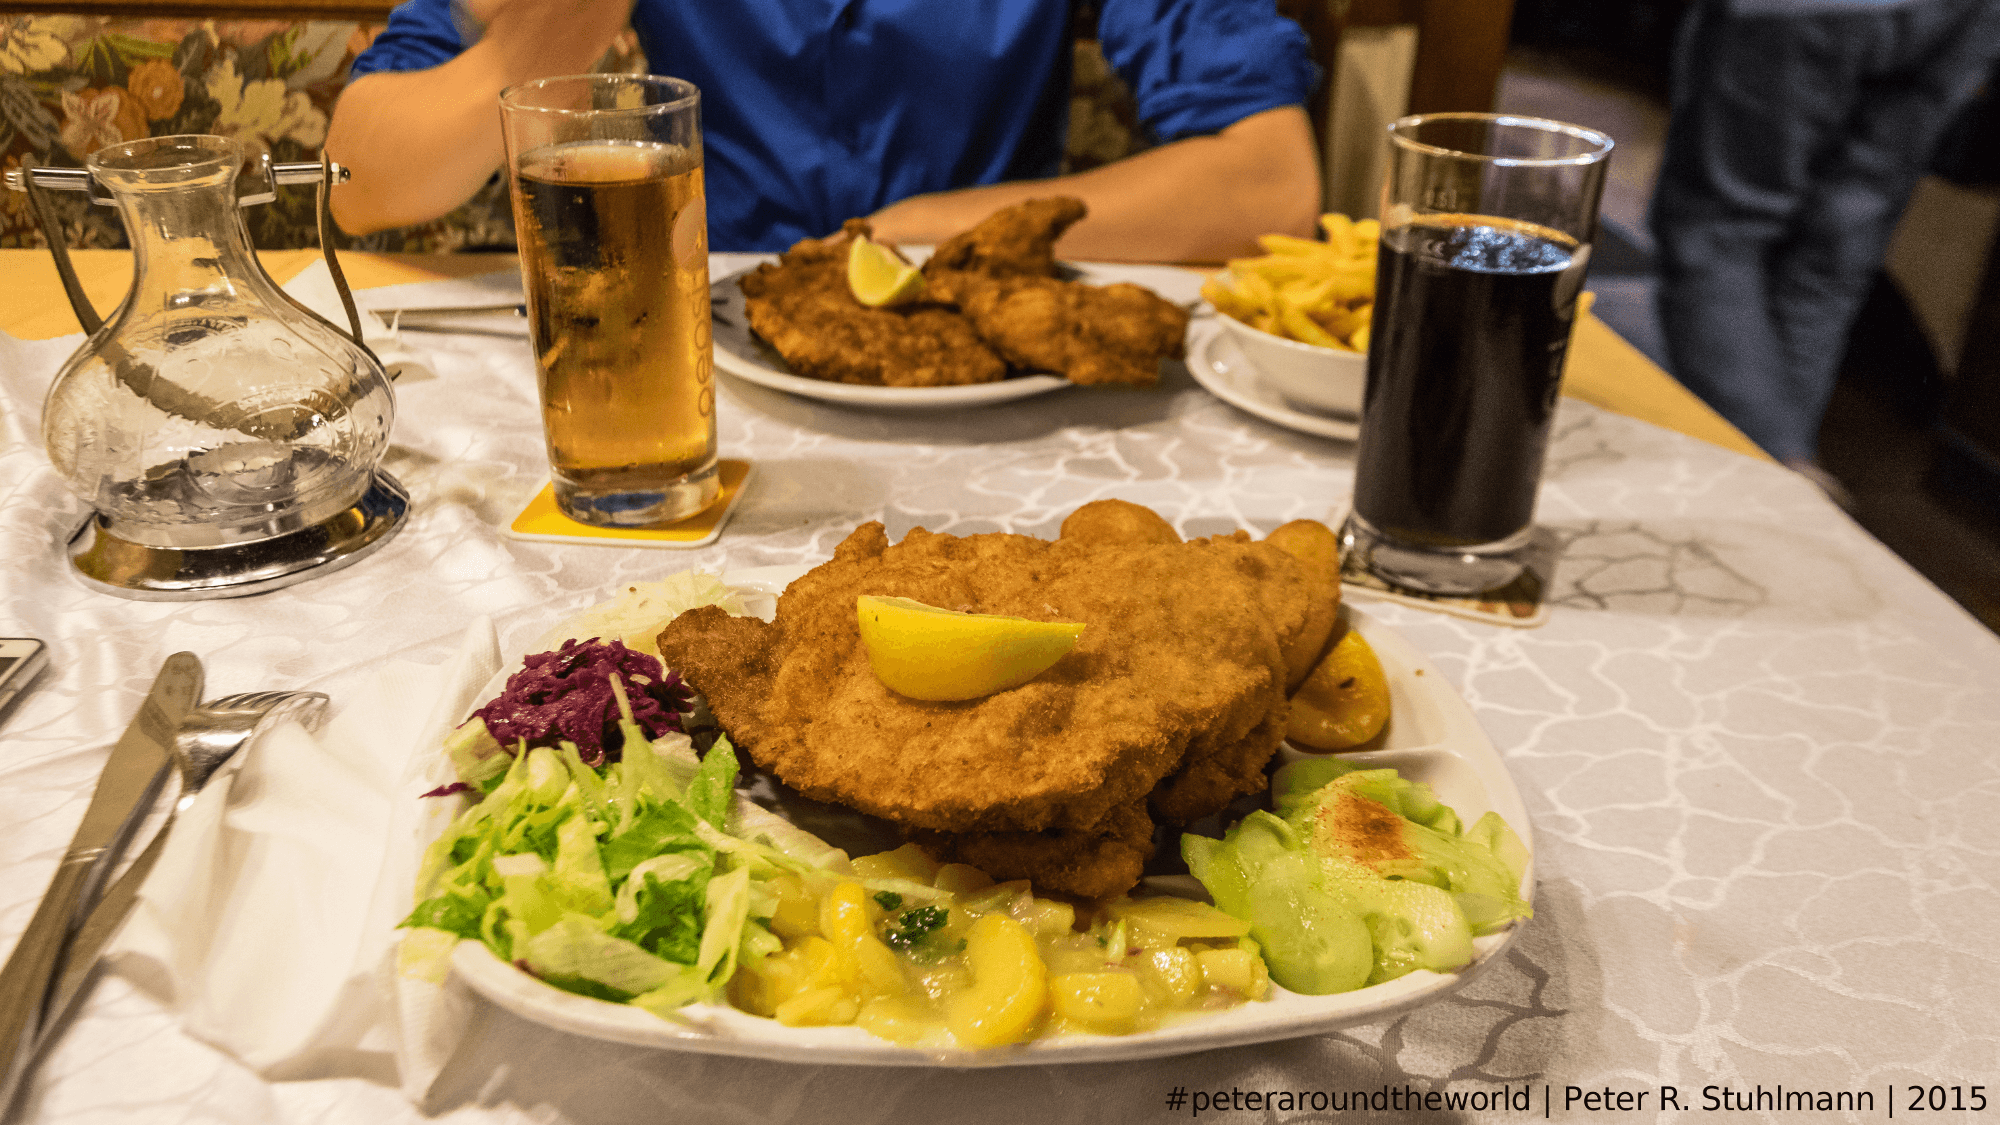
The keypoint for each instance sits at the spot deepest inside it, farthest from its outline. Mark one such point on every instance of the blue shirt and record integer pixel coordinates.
(817, 111)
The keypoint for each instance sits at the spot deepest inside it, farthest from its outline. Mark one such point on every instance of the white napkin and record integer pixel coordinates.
(268, 926)
(314, 289)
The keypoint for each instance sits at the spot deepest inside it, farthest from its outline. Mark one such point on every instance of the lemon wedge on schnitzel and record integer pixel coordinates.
(944, 655)
(877, 277)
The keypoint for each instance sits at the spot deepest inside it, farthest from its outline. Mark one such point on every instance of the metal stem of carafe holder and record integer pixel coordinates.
(111, 564)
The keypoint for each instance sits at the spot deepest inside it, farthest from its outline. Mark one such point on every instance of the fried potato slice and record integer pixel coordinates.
(1118, 521)
(1318, 549)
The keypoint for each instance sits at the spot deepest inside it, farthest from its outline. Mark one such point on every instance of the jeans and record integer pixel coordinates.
(1793, 147)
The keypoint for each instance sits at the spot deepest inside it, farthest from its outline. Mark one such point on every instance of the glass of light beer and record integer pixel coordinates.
(1487, 224)
(610, 214)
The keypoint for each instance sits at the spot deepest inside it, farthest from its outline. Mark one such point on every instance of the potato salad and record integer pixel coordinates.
(932, 955)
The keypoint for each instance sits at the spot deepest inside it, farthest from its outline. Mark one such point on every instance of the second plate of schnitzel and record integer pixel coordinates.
(739, 352)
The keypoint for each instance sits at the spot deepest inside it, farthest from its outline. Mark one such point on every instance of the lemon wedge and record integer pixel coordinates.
(942, 655)
(877, 277)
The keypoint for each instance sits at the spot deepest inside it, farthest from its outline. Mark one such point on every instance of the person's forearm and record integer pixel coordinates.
(417, 144)
(1202, 199)
(420, 143)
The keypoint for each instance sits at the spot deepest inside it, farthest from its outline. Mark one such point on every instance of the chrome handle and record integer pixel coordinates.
(80, 179)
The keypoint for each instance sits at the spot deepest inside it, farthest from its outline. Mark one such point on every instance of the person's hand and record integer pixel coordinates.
(420, 143)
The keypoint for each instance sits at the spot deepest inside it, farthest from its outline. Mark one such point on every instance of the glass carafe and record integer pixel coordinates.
(210, 409)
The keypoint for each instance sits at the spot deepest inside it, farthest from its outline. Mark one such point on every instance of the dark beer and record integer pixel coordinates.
(1455, 423)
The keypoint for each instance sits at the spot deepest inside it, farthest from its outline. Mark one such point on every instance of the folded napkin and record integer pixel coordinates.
(268, 925)
(314, 289)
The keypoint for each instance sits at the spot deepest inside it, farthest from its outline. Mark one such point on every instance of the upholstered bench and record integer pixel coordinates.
(71, 84)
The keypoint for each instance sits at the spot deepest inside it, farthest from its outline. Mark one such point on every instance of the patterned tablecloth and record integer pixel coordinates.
(1761, 756)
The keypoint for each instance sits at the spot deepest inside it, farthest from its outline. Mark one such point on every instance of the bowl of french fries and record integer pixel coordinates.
(1302, 312)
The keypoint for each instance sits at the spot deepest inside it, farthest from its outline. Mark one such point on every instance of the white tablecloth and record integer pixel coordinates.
(1762, 756)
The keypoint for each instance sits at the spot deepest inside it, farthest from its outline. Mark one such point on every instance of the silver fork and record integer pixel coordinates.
(212, 733)
(208, 737)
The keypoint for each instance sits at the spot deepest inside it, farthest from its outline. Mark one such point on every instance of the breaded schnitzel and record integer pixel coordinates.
(1017, 241)
(803, 308)
(1095, 864)
(1002, 275)
(1175, 694)
(993, 301)
(1088, 334)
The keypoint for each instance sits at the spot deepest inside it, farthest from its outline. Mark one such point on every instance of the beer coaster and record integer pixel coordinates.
(1522, 603)
(542, 522)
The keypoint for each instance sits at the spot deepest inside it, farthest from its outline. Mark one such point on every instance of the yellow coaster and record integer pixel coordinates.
(542, 521)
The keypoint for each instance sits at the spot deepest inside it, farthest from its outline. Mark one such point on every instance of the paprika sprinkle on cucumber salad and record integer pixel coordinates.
(603, 847)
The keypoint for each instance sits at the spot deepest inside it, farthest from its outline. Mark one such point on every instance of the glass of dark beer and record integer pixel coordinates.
(612, 220)
(1487, 223)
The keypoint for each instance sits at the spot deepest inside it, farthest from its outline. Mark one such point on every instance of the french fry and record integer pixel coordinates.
(1227, 300)
(1302, 328)
(1339, 233)
(1316, 292)
(1259, 289)
(1285, 244)
(1312, 296)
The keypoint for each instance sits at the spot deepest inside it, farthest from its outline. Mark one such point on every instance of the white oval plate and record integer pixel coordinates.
(739, 352)
(1219, 365)
(1432, 737)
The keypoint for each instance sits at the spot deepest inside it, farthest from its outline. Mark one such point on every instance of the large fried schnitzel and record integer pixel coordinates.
(1088, 334)
(993, 301)
(1011, 242)
(803, 308)
(1173, 698)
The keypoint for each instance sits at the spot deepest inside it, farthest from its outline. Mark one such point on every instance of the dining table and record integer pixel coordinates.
(1758, 753)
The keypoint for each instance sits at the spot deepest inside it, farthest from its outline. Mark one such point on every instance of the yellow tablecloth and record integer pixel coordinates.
(1604, 370)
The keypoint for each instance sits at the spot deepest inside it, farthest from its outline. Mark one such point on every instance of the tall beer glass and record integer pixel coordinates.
(1487, 223)
(613, 227)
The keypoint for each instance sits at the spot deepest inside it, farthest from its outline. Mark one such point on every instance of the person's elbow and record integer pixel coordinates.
(1290, 202)
(410, 157)
(357, 214)
(361, 205)
(1280, 189)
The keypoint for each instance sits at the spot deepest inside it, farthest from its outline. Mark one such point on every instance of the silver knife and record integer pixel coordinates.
(79, 962)
(125, 790)
(96, 931)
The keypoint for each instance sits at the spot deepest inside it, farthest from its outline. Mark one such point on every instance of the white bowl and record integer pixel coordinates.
(1306, 374)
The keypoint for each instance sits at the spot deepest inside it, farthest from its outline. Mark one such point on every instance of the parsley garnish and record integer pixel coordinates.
(913, 926)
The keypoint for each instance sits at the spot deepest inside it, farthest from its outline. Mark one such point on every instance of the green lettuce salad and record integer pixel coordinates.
(608, 860)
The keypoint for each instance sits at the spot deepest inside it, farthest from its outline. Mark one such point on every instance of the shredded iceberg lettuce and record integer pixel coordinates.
(631, 881)
(630, 876)
(637, 613)
(619, 884)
